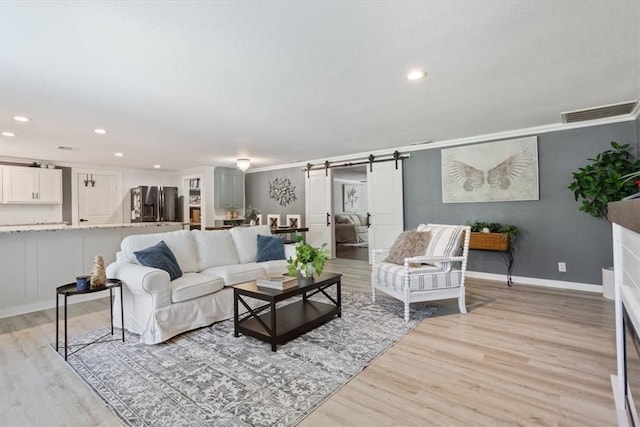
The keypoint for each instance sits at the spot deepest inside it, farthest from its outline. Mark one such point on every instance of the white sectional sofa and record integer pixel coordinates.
(158, 308)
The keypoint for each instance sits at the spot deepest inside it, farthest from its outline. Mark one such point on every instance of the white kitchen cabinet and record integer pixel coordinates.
(31, 185)
(1, 189)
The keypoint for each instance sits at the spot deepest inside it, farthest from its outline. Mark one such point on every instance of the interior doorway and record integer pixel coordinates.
(350, 200)
(97, 195)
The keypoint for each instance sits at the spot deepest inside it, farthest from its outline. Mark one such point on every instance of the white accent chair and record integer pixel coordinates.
(435, 278)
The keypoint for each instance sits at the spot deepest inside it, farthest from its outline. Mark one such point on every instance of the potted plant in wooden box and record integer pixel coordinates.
(492, 236)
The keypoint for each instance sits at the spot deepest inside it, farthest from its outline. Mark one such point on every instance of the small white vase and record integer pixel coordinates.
(307, 271)
(252, 222)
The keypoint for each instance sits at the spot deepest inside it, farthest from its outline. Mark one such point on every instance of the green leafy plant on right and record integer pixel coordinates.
(608, 178)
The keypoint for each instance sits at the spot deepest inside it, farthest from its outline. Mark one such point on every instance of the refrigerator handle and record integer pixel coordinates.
(161, 207)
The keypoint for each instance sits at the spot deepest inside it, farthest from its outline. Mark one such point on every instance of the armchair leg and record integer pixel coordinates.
(462, 305)
(373, 293)
(407, 298)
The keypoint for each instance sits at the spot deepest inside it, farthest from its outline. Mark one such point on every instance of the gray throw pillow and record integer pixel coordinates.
(159, 256)
(408, 244)
(270, 248)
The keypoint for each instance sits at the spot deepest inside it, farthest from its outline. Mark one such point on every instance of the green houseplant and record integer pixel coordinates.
(607, 178)
(492, 235)
(251, 214)
(307, 259)
(508, 231)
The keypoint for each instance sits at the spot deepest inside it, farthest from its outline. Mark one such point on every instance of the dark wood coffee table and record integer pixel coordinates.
(278, 325)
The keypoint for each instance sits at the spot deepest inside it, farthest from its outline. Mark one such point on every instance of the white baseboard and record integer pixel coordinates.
(45, 305)
(533, 281)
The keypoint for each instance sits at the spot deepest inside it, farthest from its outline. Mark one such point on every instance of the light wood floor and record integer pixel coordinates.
(522, 356)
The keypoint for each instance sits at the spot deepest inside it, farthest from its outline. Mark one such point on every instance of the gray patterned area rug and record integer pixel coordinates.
(207, 377)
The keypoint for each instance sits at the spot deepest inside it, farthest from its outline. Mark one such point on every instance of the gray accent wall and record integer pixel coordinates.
(552, 228)
(257, 192)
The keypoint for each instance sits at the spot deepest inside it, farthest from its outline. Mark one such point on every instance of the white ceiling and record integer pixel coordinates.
(188, 84)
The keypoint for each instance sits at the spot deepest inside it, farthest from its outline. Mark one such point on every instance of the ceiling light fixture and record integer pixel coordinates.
(118, 154)
(9, 134)
(22, 119)
(100, 131)
(416, 75)
(156, 166)
(243, 164)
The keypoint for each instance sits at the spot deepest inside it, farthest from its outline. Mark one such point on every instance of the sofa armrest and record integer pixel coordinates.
(141, 280)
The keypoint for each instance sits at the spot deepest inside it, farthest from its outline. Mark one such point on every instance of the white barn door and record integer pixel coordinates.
(319, 210)
(385, 204)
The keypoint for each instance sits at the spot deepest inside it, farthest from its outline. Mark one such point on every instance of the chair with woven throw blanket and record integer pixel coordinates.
(423, 265)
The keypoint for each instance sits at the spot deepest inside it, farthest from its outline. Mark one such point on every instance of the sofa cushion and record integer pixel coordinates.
(392, 276)
(245, 239)
(159, 256)
(238, 273)
(270, 248)
(445, 240)
(355, 219)
(214, 248)
(180, 242)
(343, 219)
(274, 267)
(194, 285)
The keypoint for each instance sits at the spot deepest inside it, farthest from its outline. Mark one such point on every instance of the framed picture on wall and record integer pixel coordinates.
(294, 221)
(273, 220)
(350, 198)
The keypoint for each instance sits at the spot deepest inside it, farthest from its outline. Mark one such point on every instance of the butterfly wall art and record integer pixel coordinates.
(491, 172)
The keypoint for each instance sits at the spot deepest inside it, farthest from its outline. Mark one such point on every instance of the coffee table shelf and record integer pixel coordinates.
(281, 324)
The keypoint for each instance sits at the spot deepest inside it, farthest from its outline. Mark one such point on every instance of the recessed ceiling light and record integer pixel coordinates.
(100, 131)
(156, 166)
(21, 119)
(9, 134)
(118, 154)
(416, 75)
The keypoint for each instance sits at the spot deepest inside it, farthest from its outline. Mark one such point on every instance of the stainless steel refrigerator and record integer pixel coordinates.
(153, 204)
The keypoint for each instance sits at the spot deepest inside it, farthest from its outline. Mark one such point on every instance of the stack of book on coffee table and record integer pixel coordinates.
(277, 282)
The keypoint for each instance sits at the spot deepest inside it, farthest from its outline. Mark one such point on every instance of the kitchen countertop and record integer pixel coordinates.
(626, 213)
(64, 227)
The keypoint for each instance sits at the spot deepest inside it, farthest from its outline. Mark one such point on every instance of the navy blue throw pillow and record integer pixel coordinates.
(159, 256)
(270, 248)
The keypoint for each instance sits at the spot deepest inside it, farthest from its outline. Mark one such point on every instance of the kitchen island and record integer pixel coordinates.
(36, 259)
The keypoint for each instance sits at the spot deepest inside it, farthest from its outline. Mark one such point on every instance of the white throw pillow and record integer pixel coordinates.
(180, 242)
(214, 248)
(246, 241)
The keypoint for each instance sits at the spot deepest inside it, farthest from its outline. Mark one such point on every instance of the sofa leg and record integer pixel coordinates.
(373, 294)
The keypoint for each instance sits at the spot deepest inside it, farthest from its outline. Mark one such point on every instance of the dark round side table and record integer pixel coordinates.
(70, 289)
